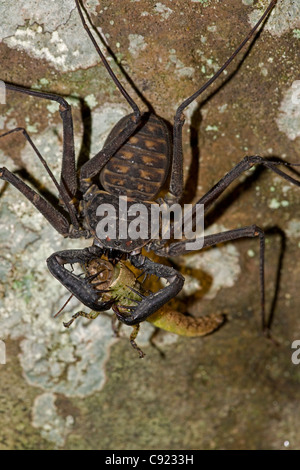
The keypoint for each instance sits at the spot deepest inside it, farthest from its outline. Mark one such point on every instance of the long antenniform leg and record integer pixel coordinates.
(176, 181)
(250, 231)
(55, 218)
(96, 163)
(68, 184)
(68, 171)
(179, 248)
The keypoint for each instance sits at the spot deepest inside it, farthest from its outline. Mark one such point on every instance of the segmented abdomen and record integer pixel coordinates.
(140, 167)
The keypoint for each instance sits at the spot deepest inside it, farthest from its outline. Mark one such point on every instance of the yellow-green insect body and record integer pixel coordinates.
(118, 283)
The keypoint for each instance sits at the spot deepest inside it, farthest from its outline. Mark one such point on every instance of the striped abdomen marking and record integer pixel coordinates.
(140, 167)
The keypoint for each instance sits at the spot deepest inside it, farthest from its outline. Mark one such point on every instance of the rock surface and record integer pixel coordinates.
(81, 388)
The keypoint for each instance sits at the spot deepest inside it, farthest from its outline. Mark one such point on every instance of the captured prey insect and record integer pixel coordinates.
(137, 158)
(118, 286)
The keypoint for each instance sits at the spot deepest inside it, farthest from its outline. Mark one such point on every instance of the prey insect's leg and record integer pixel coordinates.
(56, 219)
(115, 324)
(176, 181)
(151, 303)
(133, 335)
(91, 316)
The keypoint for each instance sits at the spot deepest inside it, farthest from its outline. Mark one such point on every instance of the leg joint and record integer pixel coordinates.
(258, 232)
(253, 159)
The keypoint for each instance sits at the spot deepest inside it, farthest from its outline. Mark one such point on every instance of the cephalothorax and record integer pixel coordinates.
(135, 162)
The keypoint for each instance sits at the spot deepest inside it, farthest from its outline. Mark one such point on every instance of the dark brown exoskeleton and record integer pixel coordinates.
(135, 162)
